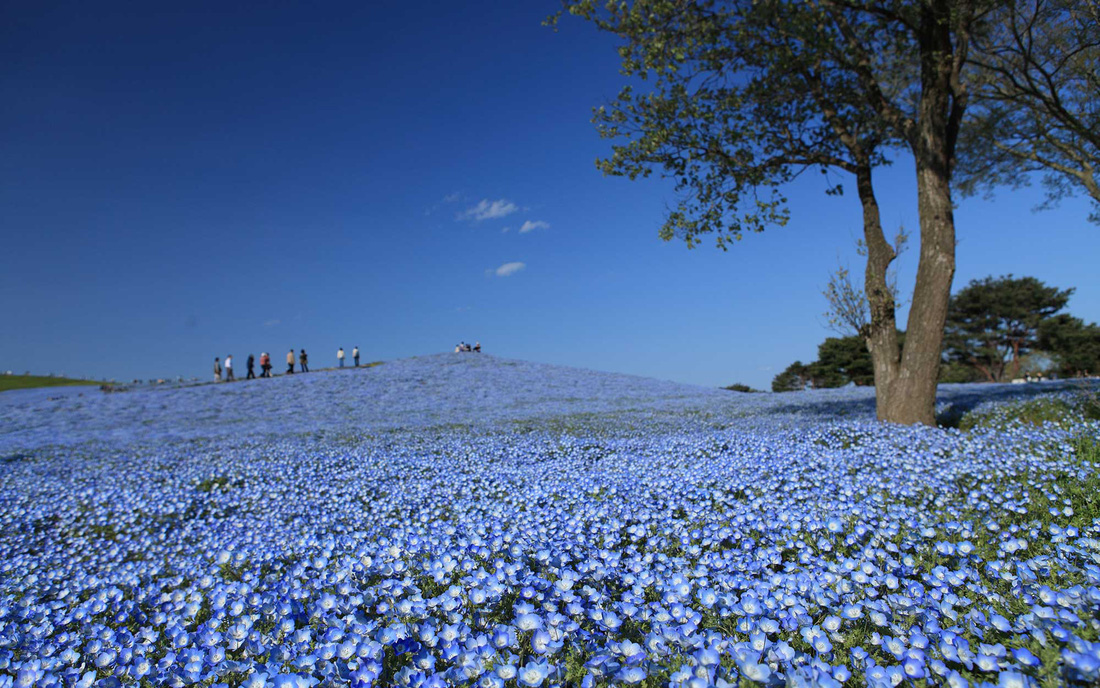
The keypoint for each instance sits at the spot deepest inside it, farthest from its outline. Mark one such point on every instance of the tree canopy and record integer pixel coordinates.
(1036, 99)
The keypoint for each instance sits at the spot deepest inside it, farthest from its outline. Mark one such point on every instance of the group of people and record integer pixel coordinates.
(226, 368)
(463, 346)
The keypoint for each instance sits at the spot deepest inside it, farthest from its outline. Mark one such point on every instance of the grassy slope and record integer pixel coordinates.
(29, 381)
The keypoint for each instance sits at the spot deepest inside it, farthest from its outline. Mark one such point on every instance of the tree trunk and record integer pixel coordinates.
(881, 334)
(913, 394)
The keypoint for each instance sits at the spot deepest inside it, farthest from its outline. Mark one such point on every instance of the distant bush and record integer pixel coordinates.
(738, 387)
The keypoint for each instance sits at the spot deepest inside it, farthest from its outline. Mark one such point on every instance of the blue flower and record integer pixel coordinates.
(533, 674)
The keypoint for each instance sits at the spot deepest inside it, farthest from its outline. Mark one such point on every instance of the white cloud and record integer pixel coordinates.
(452, 197)
(488, 210)
(509, 269)
(531, 226)
(272, 323)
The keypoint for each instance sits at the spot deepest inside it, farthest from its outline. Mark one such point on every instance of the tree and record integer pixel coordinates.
(794, 379)
(1035, 99)
(745, 95)
(993, 321)
(846, 359)
(1074, 345)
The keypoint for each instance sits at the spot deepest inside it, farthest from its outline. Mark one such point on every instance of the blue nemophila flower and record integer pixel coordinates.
(532, 674)
(755, 672)
(631, 675)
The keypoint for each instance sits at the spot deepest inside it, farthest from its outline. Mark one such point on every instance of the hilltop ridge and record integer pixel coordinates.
(439, 389)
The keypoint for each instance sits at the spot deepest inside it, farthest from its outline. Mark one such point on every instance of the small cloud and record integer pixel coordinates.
(452, 197)
(509, 269)
(531, 226)
(272, 323)
(505, 230)
(488, 210)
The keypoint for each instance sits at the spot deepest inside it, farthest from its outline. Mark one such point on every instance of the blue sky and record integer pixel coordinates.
(182, 182)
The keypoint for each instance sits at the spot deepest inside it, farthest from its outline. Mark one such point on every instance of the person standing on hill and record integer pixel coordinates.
(265, 365)
(303, 361)
(290, 362)
(229, 368)
(251, 365)
(340, 356)
(217, 369)
(355, 356)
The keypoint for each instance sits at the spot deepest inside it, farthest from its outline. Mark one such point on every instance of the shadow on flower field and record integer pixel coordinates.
(470, 520)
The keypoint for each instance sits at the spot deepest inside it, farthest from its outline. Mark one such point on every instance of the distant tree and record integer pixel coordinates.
(794, 379)
(845, 359)
(1074, 346)
(840, 360)
(1034, 99)
(994, 321)
(740, 97)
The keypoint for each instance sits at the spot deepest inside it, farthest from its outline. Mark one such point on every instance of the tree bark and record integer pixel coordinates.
(881, 334)
(913, 397)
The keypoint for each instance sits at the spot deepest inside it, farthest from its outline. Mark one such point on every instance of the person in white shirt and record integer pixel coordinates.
(340, 356)
(229, 368)
(355, 356)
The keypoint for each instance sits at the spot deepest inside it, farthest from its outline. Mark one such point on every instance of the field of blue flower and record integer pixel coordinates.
(469, 520)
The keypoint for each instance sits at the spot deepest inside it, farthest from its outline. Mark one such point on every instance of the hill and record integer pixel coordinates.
(363, 527)
(478, 392)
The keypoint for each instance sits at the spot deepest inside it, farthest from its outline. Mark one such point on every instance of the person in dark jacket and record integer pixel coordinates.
(303, 361)
(251, 364)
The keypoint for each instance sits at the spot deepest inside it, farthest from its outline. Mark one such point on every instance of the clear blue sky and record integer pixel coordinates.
(185, 181)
